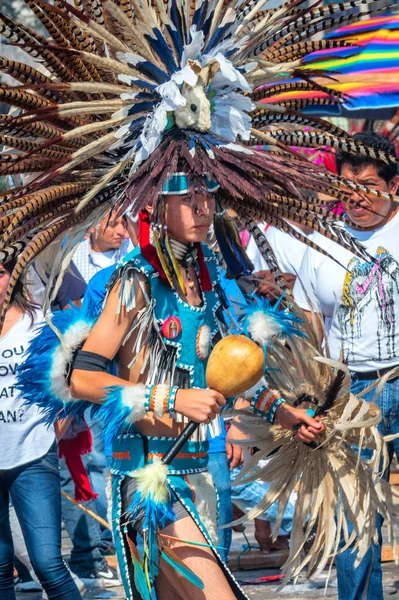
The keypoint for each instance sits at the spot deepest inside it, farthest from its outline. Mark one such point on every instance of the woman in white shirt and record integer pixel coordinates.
(29, 476)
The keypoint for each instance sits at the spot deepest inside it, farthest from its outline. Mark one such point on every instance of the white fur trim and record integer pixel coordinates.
(262, 328)
(205, 501)
(76, 334)
(134, 397)
(203, 342)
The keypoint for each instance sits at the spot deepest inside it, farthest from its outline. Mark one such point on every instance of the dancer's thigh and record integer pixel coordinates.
(200, 560)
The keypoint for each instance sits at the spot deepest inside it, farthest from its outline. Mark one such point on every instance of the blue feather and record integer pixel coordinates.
(216, 37)
(178, 22)
(160, 46)
(140, 107)
(206, 26)
(155, 517)
(213, 139)
(147, 95)
(35, 377)
(113, 414)
(136, 124)
(230, 246)
(143, 84)
(140, 580)
(174, 561)
(177, 41)
(191, 144)
(199, 15)
(150, 70)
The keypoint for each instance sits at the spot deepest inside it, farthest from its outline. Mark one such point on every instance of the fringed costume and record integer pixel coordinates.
(132, 100)
(179, 338)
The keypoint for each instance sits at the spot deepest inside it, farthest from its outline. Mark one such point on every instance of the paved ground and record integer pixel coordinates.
(265, 591)
(257, 590)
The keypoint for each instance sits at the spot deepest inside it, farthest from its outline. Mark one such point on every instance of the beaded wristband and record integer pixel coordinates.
(171, 400)
(272, 412)
(265, 403)
(159, 399)
(148, 394)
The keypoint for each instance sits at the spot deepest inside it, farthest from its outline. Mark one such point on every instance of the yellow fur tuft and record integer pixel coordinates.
(151, 481)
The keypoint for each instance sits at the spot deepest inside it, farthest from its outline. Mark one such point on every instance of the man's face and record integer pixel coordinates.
(371, 211)
(188, 218)
(110, 234)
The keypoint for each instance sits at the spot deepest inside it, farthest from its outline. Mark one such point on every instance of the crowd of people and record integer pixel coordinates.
(352, 304)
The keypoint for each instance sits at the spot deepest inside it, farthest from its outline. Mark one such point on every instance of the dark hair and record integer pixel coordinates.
(19, 297)
(386, 171)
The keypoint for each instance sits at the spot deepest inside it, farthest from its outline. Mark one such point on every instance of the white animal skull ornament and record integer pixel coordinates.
(196, 114)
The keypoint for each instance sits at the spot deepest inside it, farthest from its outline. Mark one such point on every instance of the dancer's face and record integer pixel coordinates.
(369, 211)
(188, 218)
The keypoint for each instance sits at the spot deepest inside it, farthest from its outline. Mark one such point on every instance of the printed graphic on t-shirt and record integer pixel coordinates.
(370, 286)
(9, 362)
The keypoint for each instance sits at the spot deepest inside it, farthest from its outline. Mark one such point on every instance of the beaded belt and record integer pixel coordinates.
(132, 451)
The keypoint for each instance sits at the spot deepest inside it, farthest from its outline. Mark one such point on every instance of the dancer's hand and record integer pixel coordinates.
(201, 406)
(288, 417)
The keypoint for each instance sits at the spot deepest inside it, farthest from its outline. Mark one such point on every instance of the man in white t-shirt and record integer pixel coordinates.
(360, 301)
(287, 249)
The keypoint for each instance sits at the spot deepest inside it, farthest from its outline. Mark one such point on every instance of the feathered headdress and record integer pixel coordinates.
(125, 89)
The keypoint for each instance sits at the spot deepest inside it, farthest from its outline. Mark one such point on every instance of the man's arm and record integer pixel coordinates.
(106, 338)
(305, 292)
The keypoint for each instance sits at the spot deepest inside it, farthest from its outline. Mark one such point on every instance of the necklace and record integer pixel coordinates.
(186, 254)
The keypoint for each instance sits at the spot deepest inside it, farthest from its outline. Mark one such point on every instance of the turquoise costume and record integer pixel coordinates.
(185, 354)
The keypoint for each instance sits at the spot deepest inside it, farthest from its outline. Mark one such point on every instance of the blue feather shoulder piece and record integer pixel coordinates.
(264, 323)
(42, 379)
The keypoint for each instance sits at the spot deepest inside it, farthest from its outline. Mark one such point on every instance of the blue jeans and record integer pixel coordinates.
(84, 531)
(219, 469)
(354, 584)
(35, 493)
(247, 495)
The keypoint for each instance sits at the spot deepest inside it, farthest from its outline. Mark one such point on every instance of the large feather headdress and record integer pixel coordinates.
(124, 90)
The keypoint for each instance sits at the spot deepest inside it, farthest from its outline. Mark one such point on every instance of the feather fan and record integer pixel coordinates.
(333, 482)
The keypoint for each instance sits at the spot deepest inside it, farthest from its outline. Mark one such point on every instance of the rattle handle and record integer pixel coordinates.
(179, 442)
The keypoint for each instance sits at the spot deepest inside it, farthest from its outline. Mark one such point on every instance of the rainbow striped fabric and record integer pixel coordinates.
(368, 74)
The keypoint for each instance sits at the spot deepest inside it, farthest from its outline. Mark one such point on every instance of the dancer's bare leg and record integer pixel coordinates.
(200, 560)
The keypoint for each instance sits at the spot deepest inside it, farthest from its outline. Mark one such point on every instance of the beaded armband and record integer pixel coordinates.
(265, 403)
